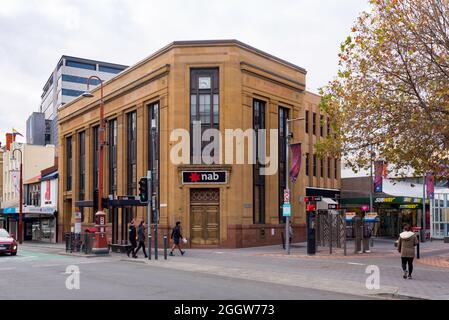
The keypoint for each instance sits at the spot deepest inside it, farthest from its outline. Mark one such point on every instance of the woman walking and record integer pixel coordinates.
(177, 237)
(406, 246)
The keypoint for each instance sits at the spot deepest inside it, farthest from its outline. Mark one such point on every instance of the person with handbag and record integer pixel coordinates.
(406, 247)
(177, 237)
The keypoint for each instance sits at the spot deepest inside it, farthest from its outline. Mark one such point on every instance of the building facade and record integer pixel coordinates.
(35, 159)
(158, 114)
(66, 82)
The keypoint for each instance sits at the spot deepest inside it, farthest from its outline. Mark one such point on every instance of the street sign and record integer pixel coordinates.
(287, 210)
(312, 199)
(332, 206)
(286, 195)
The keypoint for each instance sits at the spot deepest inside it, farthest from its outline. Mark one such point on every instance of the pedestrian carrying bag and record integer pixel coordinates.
(184, 240)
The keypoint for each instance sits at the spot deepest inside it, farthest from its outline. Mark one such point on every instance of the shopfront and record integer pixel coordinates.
(393, 212)
(9, 219)
(40, 224)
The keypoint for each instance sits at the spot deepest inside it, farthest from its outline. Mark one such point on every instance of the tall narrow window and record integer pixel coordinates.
(329, 162)
(69, 155)
(314, 124)
(204, 103)
(322, 126)
(95, 153)
(132, 153)
(328, 126)
(322, 168)
(307, 164)
(283, 161)
(259, 179)
(154, 154)
(307, 121)
(112, 139)
(314, 165)
(336, 168)
(131, 166)
(82, 169)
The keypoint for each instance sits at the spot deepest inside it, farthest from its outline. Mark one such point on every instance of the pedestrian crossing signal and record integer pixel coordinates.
(143, 190)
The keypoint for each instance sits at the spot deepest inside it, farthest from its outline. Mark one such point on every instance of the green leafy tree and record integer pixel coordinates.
(391, 93)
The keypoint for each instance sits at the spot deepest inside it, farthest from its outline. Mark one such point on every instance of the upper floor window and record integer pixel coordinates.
(259, 179)
(96, 155)
(71, 93)
(108, 69)
(82, 80)
(131, 153)
(314, 124)
(314, 165)
(329, 163)
(307, 164)
(328, 126)
(113, 139)
(82, 164)
(80, 65)
(204, 102)
(336, 168)
(307, 121)
(321, 126)
(69, 155)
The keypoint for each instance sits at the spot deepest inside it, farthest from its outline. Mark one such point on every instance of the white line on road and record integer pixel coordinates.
(356, 264)
(7, 269)
(45, 265)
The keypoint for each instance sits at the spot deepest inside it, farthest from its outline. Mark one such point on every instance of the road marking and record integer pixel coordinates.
(45, 265)
(356, 264)
(7, 269)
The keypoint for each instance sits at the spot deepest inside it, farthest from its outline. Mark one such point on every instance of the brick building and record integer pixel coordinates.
(225, 84)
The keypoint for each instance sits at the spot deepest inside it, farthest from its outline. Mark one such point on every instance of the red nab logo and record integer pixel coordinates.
(204, 177)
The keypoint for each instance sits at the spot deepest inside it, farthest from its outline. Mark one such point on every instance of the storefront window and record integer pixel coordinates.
(440, 216)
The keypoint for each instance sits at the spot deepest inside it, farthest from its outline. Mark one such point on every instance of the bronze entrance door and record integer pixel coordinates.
(205, 216)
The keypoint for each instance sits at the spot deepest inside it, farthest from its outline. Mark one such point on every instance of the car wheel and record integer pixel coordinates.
(14, 253)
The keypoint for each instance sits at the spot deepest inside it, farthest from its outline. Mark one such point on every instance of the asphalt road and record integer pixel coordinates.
(41, 274)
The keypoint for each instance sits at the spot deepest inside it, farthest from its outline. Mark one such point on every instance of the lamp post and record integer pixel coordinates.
(288, 135)
(20, 238)
(100, 244)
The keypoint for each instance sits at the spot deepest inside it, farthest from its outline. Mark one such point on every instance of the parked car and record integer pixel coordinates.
(7, 243)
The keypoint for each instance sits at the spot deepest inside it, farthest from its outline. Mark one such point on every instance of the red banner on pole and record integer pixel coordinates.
(430, 185)
(378, 178)
(296, 161)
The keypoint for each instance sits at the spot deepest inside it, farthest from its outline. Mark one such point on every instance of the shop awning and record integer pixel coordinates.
(11, 211)
(326, 204)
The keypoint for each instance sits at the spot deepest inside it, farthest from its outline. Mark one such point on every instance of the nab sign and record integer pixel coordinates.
(204, 177)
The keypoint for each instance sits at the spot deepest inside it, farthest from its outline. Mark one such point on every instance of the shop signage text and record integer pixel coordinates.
(204, 177)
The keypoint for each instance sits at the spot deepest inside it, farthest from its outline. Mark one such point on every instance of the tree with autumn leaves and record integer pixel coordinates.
(391, 94)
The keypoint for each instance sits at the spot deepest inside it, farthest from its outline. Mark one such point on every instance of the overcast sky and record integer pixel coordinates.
(34, 34)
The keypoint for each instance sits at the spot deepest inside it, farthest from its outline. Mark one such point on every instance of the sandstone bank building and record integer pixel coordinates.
(224, 84)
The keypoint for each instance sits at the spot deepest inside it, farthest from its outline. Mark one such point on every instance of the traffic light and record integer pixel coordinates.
(143, 190)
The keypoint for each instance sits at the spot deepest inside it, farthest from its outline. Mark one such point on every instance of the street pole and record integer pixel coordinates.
(371, 182)
(149, 184)
(21, 202)
(20, 237)
(287, 218)
(423, 215)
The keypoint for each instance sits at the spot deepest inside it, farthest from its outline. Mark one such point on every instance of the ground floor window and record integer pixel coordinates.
(440, 216)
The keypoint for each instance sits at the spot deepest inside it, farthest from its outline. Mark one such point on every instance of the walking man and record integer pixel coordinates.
(406, 246)
(141, 238)
(177, 238)
(132, 238)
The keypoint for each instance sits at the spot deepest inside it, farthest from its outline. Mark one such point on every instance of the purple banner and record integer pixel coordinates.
(430, 185)
(296, 161)
(378, 175)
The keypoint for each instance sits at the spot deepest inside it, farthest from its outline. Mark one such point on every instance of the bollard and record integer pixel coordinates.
(149, 247)
(165, 246)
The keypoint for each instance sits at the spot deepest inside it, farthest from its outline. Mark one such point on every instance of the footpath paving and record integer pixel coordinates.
(335, 273)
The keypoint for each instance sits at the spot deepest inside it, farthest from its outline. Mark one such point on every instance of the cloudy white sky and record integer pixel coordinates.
(35, 33)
